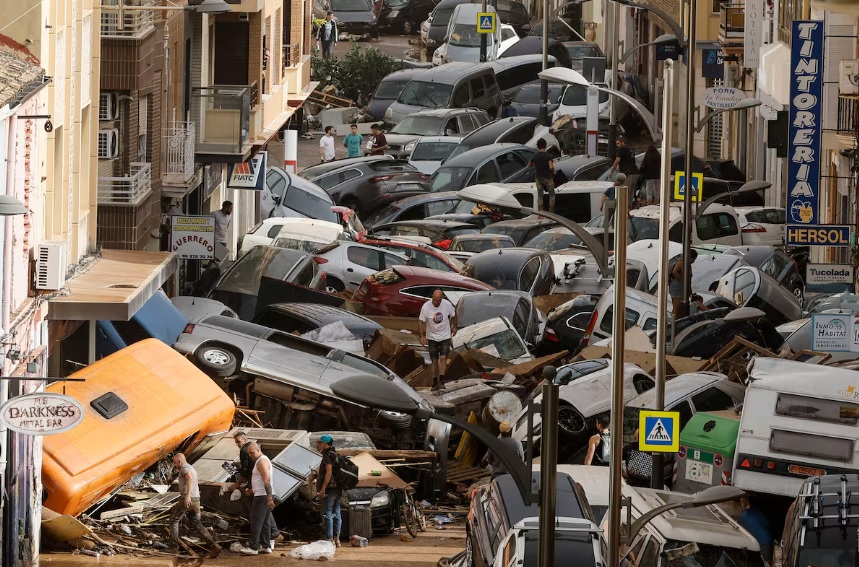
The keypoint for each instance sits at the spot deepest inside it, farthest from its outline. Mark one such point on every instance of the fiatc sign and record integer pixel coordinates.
(806, 110)
(41, 414)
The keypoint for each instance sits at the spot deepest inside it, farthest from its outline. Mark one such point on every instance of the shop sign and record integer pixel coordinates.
(713, 63)
(248, 174)
(722, 98)
(43, 413)
(753, 33)
(828, 274)
(192, 237)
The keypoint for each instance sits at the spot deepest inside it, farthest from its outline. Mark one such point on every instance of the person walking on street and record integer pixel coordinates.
(353, 141)
(380, 142)
(436, 327)
(544, 167)
(675, 280)
(507, 440)
(262, 505)
(327, 36)
(599, 445)
(651, 171)
(223, 217)
(246, 469)
(188, 503)
(326, 145)
(624, 162)
(329, 493)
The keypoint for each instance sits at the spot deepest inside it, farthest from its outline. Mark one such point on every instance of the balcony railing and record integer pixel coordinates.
(732, 21)
(291, 55)
(223, 124)
(132, 25)
(848, 115)
(180, 140)
(129, 190)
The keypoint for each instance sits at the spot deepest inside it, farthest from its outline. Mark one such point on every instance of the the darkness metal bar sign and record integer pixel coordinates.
(804, 156)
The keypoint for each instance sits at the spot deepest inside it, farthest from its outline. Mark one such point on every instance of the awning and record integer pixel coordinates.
(114, 287)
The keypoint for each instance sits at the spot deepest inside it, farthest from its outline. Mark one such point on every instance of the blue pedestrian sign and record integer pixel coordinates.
(658, 431)
(680, 186)
(486, 22)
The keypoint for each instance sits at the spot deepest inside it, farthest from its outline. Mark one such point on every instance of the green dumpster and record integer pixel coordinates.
(707, 447)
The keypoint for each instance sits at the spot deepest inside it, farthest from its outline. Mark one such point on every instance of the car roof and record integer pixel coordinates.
(482, 153)
(530, 220)
(296, 180)
(480, 236)
(655, 211)
(490, 132)
(445, 111)
(320, 313)
(506, 62)
(677, 388)
(520, 254)
(321, 169)
(403, 74)
(754, 255)
(449, 73)
(452, 278)
(567, 501)
(438, 140)
(470, 11)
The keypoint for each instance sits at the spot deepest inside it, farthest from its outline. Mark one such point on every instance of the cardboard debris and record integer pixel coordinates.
(546, 303)
(62, 528)
(527, 369)
(675, 365)
(733, 360)
(368, 463)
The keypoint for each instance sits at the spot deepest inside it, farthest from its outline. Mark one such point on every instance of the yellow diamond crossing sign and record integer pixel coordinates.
(486, 22)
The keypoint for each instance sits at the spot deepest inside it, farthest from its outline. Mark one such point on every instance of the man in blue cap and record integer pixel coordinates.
(328, 491)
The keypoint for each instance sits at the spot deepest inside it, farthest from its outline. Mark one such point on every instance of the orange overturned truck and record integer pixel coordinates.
(141, 403)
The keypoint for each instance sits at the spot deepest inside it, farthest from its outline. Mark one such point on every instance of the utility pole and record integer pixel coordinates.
(689, 196)
(544, 84)
(613, 27)
(483, 35)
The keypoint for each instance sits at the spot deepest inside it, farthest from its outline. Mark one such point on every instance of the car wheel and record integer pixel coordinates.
(353, 204)
(570, 421)
(333, 285)
(408, 27)
(469, 552)
(395, 419)
(216, 360)
(797, 292)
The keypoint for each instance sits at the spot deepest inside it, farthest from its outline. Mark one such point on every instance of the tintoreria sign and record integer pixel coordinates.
(44, 413)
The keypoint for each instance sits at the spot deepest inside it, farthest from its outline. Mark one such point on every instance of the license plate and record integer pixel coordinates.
(806, 471)
(698, 471)
(409, 187)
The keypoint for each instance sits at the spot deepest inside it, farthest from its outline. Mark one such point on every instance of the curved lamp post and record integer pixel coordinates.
(741, 105)
(571, 77)
(10, 206)
(749, 187)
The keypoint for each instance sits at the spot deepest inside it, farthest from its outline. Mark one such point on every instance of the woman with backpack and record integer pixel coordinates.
(328, 491)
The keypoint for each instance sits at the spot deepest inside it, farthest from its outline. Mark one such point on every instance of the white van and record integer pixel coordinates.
(718, 225)
(640, 311)
(798, 420)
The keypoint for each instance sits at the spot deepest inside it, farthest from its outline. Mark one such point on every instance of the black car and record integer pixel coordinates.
(558, 31)
(355, 16)
(513, 13)
(435, 229)
(566, 325)
(504, 163)
(775, 263)
(414, 208)
(520, 230)
(578, 50)
(405, 15)
(498, 506)
(573, 134)
(367, 186)
(522, 269)
(580, 168)
(307, 317)
(517, 306)
(534, 45)
(526, 101)
(389, 90)
(314, 171)
(513, 130)
(438, 20)
(706, 338)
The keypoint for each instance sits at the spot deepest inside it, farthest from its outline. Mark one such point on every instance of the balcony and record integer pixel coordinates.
(223, 125)
(128, 190)
(732, 22)
(179, 141)
(848, 119)
(291, 55)
(130, 24)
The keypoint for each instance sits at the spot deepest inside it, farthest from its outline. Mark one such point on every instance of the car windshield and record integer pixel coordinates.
(442, 16)
(551, 241)
(531, 94)
(464, 35)
(576, 95)
(478, 245)
(582, 51)
(641, 228)
(299, 244)
(382, 213)
(389, 90)
(245, 274)
(449, 178)
(426, 94)
(418, 125)
(432, 151)
(832, 557)
(505, 345)
(309, 205)
(350, 5)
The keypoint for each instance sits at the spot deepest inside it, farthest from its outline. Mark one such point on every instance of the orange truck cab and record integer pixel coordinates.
(141, 403)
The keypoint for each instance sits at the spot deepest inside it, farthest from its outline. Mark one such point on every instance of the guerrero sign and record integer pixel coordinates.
(41, 414)
(193, 238)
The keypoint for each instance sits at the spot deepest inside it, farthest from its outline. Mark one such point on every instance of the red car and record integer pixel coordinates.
(403, 290)
(418, 254)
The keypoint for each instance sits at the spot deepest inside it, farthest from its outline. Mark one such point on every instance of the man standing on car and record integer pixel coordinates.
(544, 167)
(353, 141)
(327, 36)
(262, 505)
(437, 326)
(380, 142)
(188, 503)
(329, 493)
(223, 217)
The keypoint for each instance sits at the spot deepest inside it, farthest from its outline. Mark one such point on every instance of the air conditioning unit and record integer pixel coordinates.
(848, 77)
(51, 265)
(108, 107)
(108, 144)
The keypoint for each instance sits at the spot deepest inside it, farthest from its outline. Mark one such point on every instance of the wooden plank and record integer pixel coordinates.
(383, 454)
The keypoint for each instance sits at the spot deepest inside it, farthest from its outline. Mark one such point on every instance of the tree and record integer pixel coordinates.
(358, 72)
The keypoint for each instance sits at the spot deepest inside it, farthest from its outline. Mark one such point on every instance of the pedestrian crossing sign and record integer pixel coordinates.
(486, 22)
(680, 186)
(658, 431)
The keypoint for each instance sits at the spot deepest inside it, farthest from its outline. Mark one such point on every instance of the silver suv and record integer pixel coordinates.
(404, 136)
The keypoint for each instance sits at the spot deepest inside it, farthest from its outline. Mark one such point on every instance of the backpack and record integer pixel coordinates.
(671, 263)
(344, 472)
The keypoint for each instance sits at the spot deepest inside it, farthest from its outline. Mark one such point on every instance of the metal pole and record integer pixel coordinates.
(690, 147)
(657, 480)
(548, 469)
(544, 84)
(483, 35)
(618, 330)
(613, 17)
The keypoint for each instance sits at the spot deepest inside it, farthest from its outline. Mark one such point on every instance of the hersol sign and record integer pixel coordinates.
(41, 414)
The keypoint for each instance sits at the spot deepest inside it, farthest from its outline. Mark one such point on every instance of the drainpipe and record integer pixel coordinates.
(9, 155)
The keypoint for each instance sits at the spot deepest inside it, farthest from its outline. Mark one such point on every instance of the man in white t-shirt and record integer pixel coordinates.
(326, 145)
(437, 325)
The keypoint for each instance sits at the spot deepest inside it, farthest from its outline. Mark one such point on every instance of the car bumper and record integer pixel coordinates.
(358, 27)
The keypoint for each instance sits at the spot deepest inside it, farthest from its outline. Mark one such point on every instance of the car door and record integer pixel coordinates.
(451, 127)
(711, 399)
(486, 173)
(271, 358)
(361, 261)
(511, 166)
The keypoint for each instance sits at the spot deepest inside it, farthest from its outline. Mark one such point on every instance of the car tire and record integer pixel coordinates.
(570, 421)
(333, 285)
(395, 420)
(798, 293)
(469, 552)
(408, 27)
(216, 360)
(353, 204)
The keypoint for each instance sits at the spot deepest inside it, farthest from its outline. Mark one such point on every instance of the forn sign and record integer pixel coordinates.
(41, 414)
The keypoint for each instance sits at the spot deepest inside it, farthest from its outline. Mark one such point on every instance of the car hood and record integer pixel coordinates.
(400, 111)
(483, 331)
(591, 395)
(355, 17)
(463, 54)
(401, 139)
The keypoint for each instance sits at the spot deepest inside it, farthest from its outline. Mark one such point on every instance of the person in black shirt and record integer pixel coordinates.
(329, 493)
(625, 161)
(651, 171)
(544, 165)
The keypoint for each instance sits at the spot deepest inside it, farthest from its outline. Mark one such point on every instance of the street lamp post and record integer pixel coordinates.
(750, 187)
(690, 148)
(741, 105)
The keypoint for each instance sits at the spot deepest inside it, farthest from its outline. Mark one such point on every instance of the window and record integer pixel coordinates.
(816, 409)
(491, 88)
(744, 286)
(488, 173)
(507, 33)
(726, 224)
(460, 96)
(350, 174)
(629, 558)
(525, 199)
(429, 261)
(809, 445)
(650, 557)
(329, 181)
(510, 164)
(649, 324)
(712, 399)
(685, 412)
(579, 320)
(529, 274)
(466, 123)
(394, 260)
(707, 228)
(308, 204)
(364, 257)
(590, 173)
(283, 322)
(451, 127)
(412, 213)
(606, 324)
(276, 184)
(510, 551)
(142, 128)
(274, 231)
(520, 317)
(477, 89)
(305, 275)
(439, 207)
(419, 291)
(717, 5)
